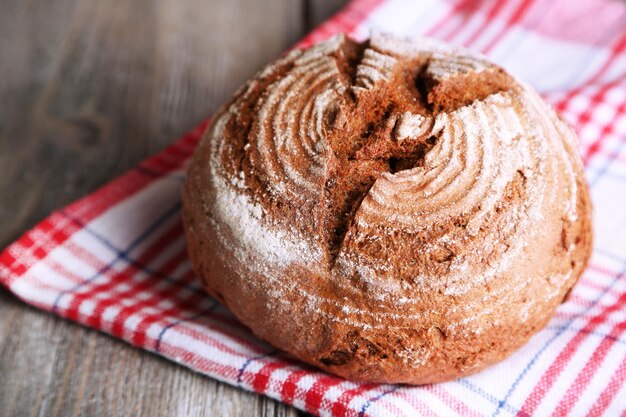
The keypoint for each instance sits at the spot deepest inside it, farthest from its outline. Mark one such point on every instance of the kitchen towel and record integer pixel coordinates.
(115, 260)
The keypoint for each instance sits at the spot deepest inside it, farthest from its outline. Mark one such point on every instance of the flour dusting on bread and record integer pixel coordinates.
(396, 210)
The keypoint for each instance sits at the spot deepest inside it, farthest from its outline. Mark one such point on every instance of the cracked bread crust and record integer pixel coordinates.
(393, 211)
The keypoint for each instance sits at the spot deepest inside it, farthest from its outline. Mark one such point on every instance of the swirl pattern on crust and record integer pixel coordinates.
(393, 211)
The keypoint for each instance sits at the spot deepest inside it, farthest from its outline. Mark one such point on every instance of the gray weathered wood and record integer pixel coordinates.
(88, 89)
(317, 11)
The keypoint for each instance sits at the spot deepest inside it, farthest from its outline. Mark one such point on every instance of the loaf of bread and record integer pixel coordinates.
(396, 211)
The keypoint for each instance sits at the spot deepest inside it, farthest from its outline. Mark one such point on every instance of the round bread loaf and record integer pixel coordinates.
(394, 211)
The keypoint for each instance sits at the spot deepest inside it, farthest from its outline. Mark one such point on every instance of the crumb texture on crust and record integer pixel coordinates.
(393, 211)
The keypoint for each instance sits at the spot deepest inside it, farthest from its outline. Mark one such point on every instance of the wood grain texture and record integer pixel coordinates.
(87, 90)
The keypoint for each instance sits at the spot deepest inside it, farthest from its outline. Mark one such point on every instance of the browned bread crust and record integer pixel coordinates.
(392, 211)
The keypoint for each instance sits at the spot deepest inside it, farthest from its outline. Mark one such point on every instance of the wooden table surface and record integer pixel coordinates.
(87, 89)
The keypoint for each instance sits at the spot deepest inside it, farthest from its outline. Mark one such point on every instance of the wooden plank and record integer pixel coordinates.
(317, 11)
(89, 89)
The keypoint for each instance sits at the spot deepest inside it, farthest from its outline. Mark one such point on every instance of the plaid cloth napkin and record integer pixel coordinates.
(115, 260)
